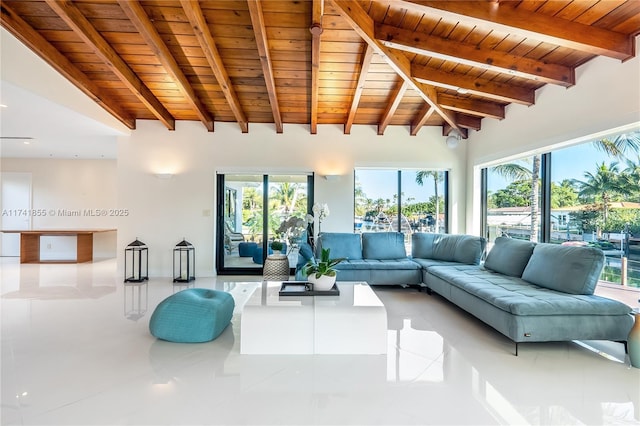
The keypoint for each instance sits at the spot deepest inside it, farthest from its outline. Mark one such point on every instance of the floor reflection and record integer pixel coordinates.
(442, 365)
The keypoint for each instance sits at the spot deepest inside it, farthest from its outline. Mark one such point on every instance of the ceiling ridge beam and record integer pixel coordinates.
(472, 55)
(31, 38)
(207, 44)
(362, 23)
(392, 106)
(316, 31)
(362, 78)
(421, 119)
(138, 16)
(477, 86)
(545, 28)
(260, 32)
(472, 106)
(74, 18)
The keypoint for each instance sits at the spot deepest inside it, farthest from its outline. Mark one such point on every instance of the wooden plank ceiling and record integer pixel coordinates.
(411, 63)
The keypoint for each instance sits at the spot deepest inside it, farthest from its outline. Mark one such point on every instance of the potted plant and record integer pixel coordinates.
(322, 274)
(276, 246)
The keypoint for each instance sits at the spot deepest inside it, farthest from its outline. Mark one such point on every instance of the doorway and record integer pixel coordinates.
(16, 209)
(252, 209)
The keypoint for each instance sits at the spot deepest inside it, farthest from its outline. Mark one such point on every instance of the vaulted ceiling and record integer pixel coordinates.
(410, 63)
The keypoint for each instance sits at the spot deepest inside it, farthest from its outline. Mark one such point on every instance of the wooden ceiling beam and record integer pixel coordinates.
(477, 86)
(392, 106)
(260, 32)
(316, 31)
(207, 43)
(31, 38)
(363, 24)
(537, 26)
(471, 106)
(74, 18)
(469, 122)
(468, 54)
(447, 130)
(362, 78)
(421, 119)
(136, 14)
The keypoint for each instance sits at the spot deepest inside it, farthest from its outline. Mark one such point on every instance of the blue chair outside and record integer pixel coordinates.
(247, 249)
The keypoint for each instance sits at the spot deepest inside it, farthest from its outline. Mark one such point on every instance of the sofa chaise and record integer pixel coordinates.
(528, 292)
(535, 292)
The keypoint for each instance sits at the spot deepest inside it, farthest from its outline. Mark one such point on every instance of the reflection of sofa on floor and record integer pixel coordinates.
(528, 292)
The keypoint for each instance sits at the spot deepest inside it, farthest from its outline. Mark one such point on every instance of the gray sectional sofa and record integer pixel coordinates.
(529, 292)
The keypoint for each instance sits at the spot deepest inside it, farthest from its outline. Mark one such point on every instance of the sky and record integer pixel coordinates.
(383, 184)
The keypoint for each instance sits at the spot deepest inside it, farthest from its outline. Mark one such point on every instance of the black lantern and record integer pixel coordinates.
(136, 262)
(184, 262)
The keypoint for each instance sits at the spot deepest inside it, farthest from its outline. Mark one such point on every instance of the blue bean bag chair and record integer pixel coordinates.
(192, 316)
(247, 249)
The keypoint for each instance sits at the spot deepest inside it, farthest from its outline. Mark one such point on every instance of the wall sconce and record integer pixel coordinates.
(164, 175)
(452, 140)
(332, 178)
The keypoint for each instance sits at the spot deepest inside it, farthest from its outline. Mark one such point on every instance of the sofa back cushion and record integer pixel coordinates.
(509, 256)
(465, 249)
(569, 269)
(341, 244)
(383, 245)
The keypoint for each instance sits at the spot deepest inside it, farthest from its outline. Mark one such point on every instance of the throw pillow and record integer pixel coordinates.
(509, 256)
(569, 269)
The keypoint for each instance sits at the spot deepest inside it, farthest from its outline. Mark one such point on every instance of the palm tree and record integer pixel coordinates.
(515, 172)
(619, 145)
(630, 178)
(286, 193)
(421, 176)
(603, 185)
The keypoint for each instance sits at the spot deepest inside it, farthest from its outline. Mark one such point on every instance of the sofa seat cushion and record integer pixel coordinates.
(383, 245)
(569, 269)
(448, 247)
(428, 263)
(509, 256)
(341, 244)
(374, 264)
(518, 297)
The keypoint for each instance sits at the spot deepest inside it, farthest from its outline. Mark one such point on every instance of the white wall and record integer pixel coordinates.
(606, 96)
(65, 192)
(162, 212)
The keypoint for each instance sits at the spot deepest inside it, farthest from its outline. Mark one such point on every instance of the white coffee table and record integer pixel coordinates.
(355, 322)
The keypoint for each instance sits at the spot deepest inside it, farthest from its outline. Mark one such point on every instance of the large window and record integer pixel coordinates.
(400, 200)
(588, 194)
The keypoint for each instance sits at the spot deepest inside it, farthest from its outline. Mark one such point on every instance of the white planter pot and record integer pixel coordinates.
(324, 283)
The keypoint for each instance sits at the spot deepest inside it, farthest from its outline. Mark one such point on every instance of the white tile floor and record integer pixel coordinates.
(76, 350)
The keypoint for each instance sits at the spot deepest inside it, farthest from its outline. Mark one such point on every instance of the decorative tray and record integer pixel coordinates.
(305, 288)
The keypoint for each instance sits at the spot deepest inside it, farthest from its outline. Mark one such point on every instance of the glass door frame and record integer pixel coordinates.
(220, 267)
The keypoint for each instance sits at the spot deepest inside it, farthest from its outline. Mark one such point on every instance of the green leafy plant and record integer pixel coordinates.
(276, 245)
(324, 267)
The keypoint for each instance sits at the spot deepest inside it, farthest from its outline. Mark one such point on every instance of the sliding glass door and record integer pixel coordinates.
(253, 211)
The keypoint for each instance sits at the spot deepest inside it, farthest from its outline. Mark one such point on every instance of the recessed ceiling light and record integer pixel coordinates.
(27, 142)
